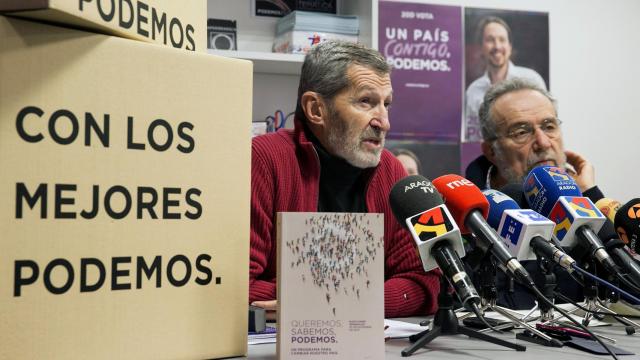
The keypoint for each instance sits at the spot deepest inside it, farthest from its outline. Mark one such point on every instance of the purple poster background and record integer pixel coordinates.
(468, 153)
(423, 43)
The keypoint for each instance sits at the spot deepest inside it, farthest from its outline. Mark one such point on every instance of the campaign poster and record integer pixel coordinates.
(423, 44)
(501, 44)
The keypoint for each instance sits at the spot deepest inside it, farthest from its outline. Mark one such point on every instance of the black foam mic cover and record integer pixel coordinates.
(412, 195)
(514, 191)
(607, 232)
(627, 223)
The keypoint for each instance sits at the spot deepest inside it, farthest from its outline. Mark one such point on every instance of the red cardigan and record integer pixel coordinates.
(285, 175)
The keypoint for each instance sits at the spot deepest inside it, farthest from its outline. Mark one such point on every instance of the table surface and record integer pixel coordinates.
(463, 347)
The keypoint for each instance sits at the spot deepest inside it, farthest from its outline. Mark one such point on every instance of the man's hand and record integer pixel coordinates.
(584, 175)
(270, 306)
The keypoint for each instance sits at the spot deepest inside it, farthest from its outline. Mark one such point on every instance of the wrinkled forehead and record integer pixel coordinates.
(363, 78)
(522, 106)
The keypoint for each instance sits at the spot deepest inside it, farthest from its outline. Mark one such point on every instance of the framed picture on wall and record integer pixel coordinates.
(501, 44)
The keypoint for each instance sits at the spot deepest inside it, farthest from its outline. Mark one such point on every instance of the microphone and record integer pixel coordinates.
(418, 206)
(608, 207)
(550, 191)
(498, 203)
(470, 208)
(524, 232)
(616, 240)
(627, 223)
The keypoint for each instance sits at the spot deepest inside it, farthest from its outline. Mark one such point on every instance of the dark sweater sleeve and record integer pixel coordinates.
(262, 286)
(594, 194)
(408, 289)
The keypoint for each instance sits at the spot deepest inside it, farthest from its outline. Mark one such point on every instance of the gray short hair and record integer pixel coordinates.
(487, 121)
(324, 70)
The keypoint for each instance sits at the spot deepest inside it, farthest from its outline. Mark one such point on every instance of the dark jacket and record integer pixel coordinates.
(514, 295)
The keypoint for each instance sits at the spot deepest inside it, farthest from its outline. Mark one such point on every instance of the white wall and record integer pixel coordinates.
(594, 73)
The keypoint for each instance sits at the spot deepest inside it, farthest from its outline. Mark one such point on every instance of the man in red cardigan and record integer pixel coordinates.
(334, 161)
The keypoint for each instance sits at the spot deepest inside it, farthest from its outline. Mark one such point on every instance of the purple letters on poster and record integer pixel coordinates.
(423, 43)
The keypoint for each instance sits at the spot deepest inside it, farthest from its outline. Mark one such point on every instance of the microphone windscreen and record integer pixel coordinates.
(627, 223)
(412, 195)
(461, 197)
(514, 191)
(498, 203)
(608, 207)
(545, 184)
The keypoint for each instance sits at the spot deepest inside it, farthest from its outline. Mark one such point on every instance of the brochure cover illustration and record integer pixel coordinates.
(330, 286)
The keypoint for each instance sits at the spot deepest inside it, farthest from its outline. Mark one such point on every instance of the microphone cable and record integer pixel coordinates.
(615, 315)
(532, 286)
(541, 296)
(628, 283)
(606, 283)
(479, 315)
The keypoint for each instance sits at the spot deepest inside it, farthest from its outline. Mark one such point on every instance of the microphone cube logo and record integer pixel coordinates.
(432, 223)
(563, 220)
(511, 230)
(429, 228)
(518, 227)
(572, 212)
(583, 207)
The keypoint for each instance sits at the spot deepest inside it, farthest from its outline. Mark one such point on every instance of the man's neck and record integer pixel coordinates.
(497, 75)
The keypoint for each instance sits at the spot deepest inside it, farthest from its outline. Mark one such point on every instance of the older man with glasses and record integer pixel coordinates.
(521, 130)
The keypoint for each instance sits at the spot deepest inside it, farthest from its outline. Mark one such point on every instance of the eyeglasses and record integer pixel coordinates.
(523, 133)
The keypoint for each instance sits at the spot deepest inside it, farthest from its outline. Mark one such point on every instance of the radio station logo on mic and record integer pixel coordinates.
(431, 223)
(531, 188)
(557, 174)
(563, 181)
(583, 207)
(634, 212)
(424, 185)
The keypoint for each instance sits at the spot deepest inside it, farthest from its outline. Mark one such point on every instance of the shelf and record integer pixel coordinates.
(267, 62)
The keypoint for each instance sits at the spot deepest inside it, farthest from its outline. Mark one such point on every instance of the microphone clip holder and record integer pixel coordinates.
(594, 304)
(445, 322)
(546, 281)
(489, 293)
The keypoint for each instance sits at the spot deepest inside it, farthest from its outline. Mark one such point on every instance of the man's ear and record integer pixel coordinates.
(488, 152)
(314, 108)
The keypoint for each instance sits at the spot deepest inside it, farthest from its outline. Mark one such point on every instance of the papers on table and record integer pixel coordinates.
(268, 336)
(399, 329)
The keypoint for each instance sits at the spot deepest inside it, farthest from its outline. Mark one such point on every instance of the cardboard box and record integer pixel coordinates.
(179, 24)
(125, 185)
